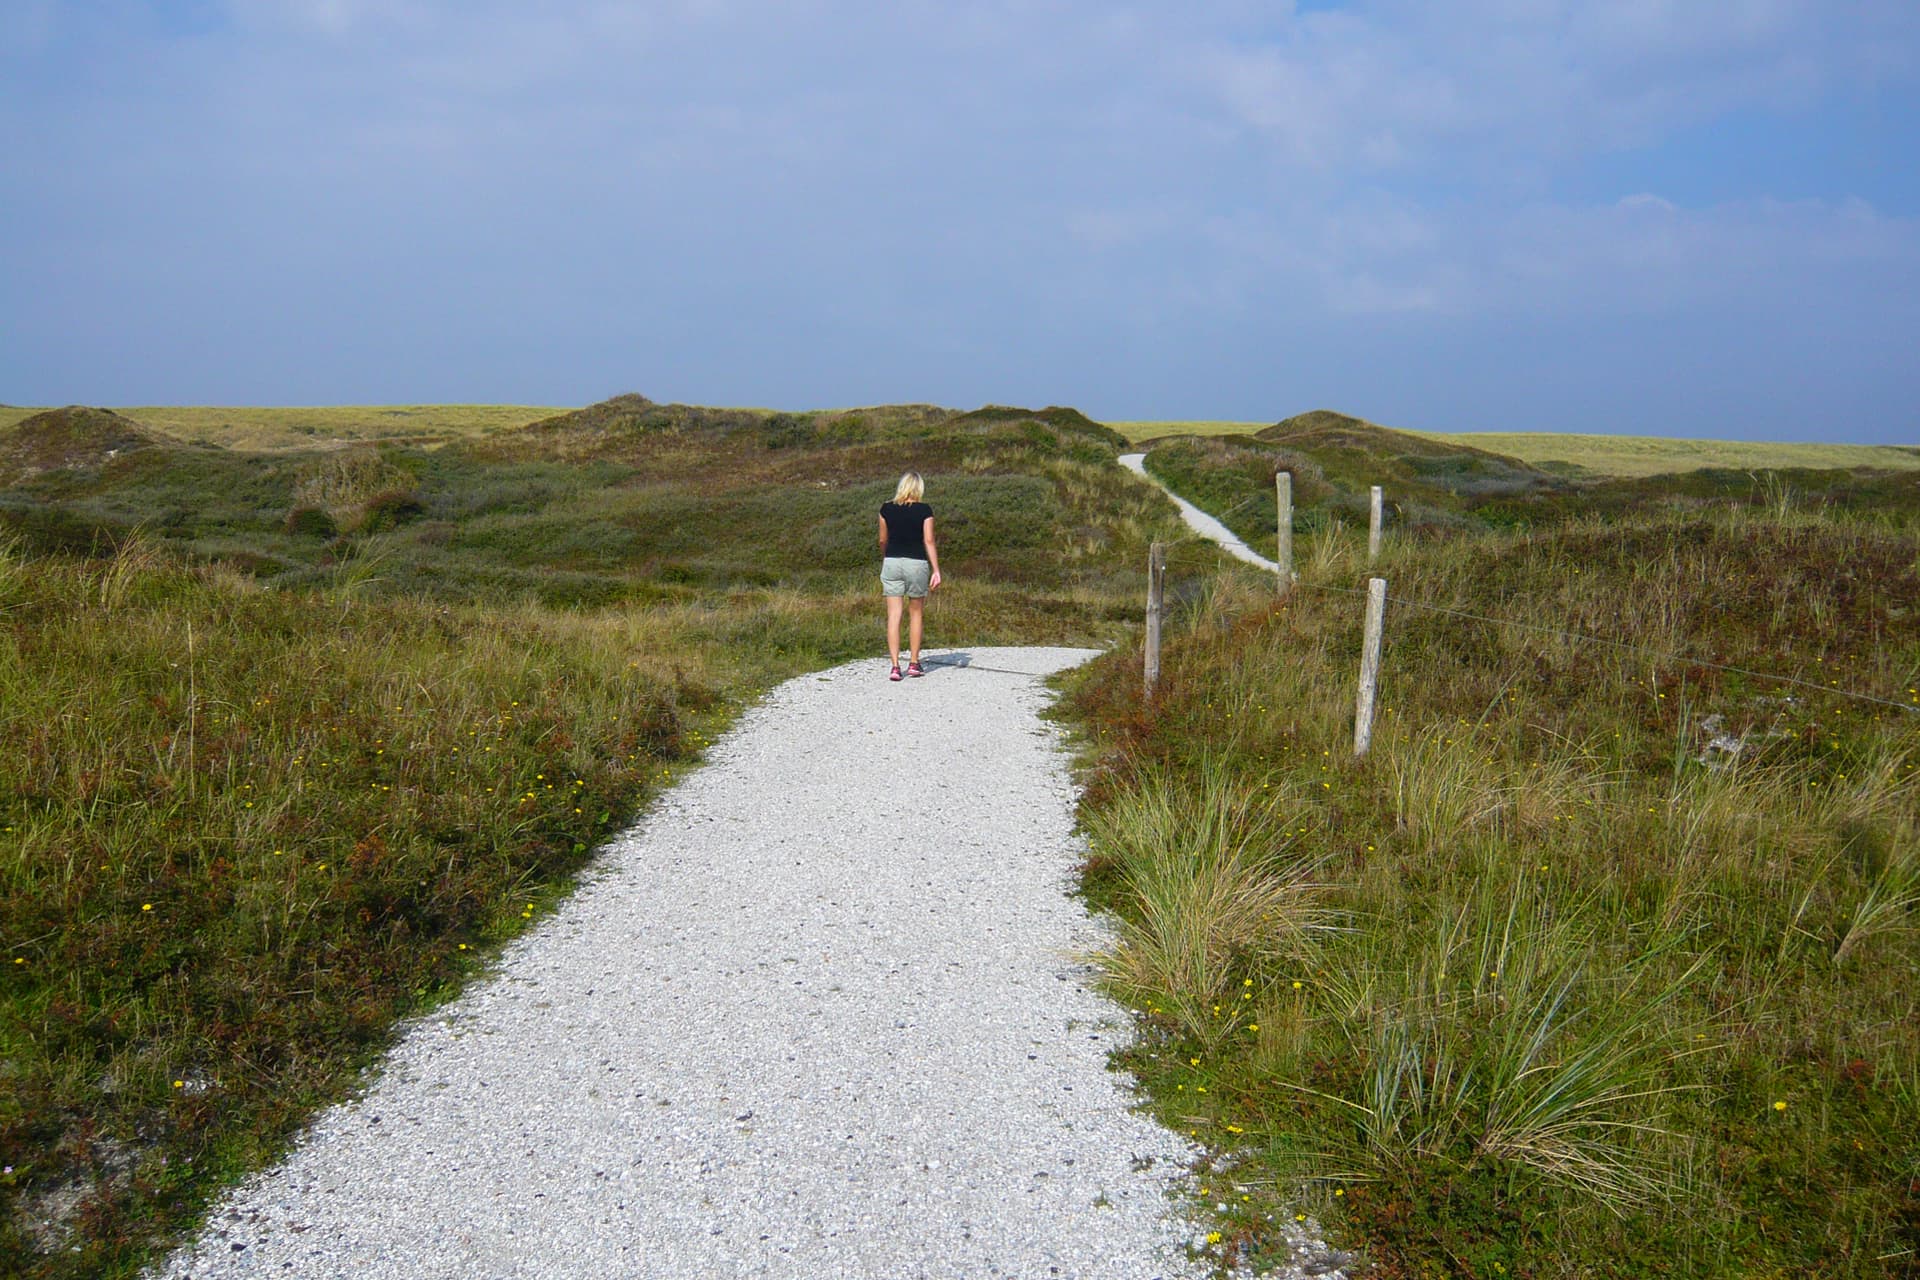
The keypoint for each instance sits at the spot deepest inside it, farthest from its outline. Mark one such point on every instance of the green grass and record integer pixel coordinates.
(301, 428)
(1547, 985)
(1432, 486)
(272, 429)
(1632, 456)
(596, 510)
(1599, 455)
(247, 829)
(297, 738)
(1138, 431)
(299, 735)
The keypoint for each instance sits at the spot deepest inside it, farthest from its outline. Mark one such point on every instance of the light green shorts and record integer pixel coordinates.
(900, 576)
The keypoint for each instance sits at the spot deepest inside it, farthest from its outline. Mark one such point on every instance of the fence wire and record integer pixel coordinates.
(1582, 637)
(1579, 637)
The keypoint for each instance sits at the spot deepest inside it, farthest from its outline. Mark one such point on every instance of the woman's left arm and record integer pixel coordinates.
(933, 553)
(883, 535)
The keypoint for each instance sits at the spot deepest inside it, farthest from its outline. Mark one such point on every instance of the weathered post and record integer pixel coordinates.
(1283, 501)
(1369, 665)
(1375, 504)
(1156, 580)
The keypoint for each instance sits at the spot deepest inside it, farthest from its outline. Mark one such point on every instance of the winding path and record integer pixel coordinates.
(1199, 521)
(819, 1014)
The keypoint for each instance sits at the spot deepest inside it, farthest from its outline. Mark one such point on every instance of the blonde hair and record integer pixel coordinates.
(912, 488)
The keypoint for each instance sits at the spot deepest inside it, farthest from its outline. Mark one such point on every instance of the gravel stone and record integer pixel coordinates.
(821, 1013)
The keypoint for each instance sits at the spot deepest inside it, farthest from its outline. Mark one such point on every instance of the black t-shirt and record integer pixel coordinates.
(906, 523)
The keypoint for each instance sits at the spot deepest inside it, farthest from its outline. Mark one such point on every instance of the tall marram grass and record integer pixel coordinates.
(1222, 891)
(1621, 981)
(242, 830)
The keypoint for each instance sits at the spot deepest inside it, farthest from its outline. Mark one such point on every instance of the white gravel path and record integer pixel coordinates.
(818, 1015)
(1199, 521)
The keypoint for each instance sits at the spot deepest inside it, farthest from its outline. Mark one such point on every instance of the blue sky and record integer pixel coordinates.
(1648, 216)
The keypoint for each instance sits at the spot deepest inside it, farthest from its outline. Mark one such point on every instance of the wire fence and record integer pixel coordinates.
(1661, 655)
(1182, 552)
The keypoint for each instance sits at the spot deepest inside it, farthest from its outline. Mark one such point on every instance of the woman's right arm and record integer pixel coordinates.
(883, 535)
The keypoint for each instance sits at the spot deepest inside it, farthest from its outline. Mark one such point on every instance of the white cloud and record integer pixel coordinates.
(1406, 83)
(1375, 254)
(1232, 168)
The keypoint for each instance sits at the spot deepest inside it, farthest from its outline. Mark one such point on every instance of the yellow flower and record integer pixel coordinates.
(1297, 985)
(1780, 1105)
(1213, 1237)
(146, 906)
(1253, 1026)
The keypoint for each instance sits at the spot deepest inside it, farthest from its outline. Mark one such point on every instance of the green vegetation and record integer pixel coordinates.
(296, 740)
(1600, 963)
(1433, 486)
(627, 501)
(1632, 456)
(1593, 455)
(270, 430)
(1142, 430)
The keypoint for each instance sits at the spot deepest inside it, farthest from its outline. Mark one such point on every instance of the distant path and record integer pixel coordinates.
(818, 1015)
(1199, 521)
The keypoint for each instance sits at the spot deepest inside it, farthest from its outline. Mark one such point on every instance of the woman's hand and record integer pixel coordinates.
(933, 581)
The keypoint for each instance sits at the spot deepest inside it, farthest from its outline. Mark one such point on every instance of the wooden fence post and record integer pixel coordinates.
(1369, 664)
(1156, 581)
(1283, 500)
(1375, 503)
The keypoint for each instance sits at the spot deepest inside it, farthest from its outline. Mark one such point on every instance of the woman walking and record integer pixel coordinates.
(909, 566)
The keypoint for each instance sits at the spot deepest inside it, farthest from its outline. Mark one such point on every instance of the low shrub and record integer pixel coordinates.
(389, 509)
(311, 522)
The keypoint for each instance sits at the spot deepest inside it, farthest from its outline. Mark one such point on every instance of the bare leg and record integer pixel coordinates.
(916, 611)
(893, 628)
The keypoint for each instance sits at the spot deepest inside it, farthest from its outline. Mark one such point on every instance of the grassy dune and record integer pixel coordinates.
(1626, 456)
(1599, 964)
(1633, 456)
(277, 429)
(297, 738)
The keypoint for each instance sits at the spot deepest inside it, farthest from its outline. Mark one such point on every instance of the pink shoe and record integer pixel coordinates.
(896, 672)
(915, 669)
